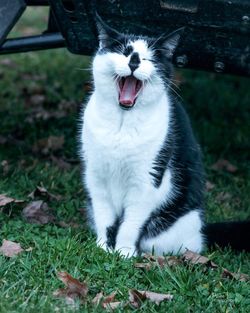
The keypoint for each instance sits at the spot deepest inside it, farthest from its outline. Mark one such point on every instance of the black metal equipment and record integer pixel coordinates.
(217, 35)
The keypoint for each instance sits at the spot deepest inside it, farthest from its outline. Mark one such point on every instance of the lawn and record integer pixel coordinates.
(41, 95)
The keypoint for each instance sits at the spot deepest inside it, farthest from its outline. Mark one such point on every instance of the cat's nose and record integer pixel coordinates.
(134, 61)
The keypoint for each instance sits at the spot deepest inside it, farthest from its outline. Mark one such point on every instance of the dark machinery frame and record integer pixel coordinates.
(217, 35)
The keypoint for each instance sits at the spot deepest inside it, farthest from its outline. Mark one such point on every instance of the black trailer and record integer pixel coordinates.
(217, 35)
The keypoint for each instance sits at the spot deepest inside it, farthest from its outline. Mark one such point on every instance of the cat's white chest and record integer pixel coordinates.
(120, 150)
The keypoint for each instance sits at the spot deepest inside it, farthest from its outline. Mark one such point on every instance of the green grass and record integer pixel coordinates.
(219, 109)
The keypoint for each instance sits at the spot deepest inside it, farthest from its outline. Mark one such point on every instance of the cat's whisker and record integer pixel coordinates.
(83, 69)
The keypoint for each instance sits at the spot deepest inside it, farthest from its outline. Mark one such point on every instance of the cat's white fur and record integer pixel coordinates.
(119, 148)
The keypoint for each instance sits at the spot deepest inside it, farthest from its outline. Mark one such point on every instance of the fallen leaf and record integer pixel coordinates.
(209, 186)
(41, 191)
(195, 258)
(47, 145)
(238, 276)
(223, 196)
(170, 261)
(67, 106)
(61, 163)
(36, 100)
(158, 261)
(10, 248)
(98, 298)
(146, 265)
(225, 165)
(156, 297)
(4, 200)
(109, 303)
(38, 212)
(70, 224)
(112, 305)
(8, 62)
(136, 297)
(39, 113)
(74, 288)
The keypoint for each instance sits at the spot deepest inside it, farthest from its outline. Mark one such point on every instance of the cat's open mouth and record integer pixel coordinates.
(129, 88)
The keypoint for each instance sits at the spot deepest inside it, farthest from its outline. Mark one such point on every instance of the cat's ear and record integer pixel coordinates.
(170, 42)
(107, 35)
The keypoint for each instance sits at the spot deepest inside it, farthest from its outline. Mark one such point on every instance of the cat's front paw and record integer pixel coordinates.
(126, 252)
(102, 244)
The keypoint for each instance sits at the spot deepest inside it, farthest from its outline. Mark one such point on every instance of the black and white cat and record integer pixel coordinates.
(143, 169)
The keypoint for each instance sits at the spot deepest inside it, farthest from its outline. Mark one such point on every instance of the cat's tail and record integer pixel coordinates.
(233, 234)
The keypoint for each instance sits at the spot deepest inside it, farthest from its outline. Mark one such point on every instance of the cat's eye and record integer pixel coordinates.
(128, 50)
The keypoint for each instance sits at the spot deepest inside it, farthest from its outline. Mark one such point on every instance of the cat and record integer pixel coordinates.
(143, 168)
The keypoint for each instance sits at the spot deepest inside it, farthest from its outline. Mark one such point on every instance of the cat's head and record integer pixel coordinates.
(132, 69)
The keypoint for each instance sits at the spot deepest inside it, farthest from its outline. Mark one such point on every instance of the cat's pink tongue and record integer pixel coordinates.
(128, 91)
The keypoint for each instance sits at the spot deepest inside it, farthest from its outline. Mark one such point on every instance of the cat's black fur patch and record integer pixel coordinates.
(184, 158)
(112, 232)
(128, 50)
(161, 161)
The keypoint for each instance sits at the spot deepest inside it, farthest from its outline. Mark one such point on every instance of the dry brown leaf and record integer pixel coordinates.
(156, 297)
(109, 303)
(160, 261)
(74, 288)
(73, 284)
(41, 191)
(39, 113)
(238, 276)
(96, 300)
(4, 200)
(61, 163)
(47, 145)
(149, 257)
(195, 258)
(112, 305)
(38, 212)
(170, 261)
(10, 248)
(146, 265)
(8, 62)
(225, 165)
(223, 196)
(37, 100)
(70, 224)
(136, 297)
(209, 186)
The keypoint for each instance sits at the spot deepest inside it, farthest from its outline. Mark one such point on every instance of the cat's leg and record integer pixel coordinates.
(135, 215)
(184, 234)
(102, 210)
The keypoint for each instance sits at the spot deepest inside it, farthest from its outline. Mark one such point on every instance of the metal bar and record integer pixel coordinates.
(37, 2)
(10, 11)
(32, 43)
